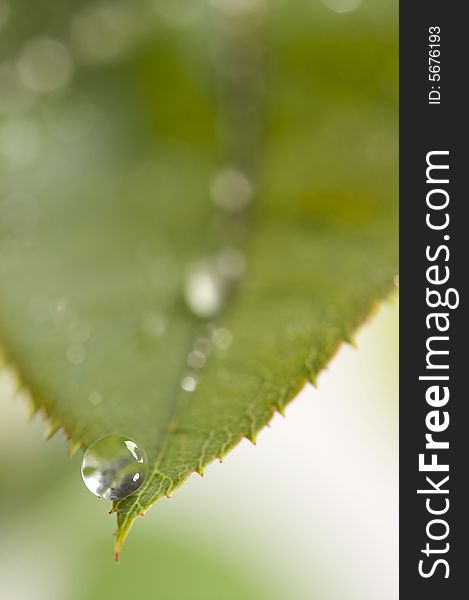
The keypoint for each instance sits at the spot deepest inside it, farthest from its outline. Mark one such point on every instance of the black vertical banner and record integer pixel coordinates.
(434, 416)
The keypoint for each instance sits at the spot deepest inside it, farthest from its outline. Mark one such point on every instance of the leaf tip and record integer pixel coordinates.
(32, 412)
(52, 430)
(280, 409)
(73, 448)
(350, 340)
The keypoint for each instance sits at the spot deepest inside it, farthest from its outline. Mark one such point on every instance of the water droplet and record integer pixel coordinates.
(231, 190)
(44, 65)
(76, 354)
(204, 290)
(95, 398)
(196, 360)
(396, 280)
(153, 325)
(114, 467)
(189, 383)
(222, 338)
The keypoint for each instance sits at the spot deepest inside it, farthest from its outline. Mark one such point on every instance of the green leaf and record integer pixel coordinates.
(106, 212)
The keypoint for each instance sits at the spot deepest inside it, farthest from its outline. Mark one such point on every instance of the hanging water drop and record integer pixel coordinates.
(114, 467)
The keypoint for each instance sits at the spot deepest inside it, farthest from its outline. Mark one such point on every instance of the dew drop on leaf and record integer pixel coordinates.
(114, 467)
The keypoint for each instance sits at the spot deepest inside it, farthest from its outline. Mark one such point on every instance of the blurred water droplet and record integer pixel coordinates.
(204, 290)
(44, 65)
(396, 280)
(189, 383)
(222, 338)
(95, 398)
(231, 190)
(102, 33)
(75, 354)
(153, 326)
(114, 467)
(196, 360)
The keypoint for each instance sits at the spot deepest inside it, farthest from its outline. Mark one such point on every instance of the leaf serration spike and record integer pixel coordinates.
(52, 430)
(280, 409)
(73, 448)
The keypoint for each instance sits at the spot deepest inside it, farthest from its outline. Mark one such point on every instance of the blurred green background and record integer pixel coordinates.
(311, 511)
